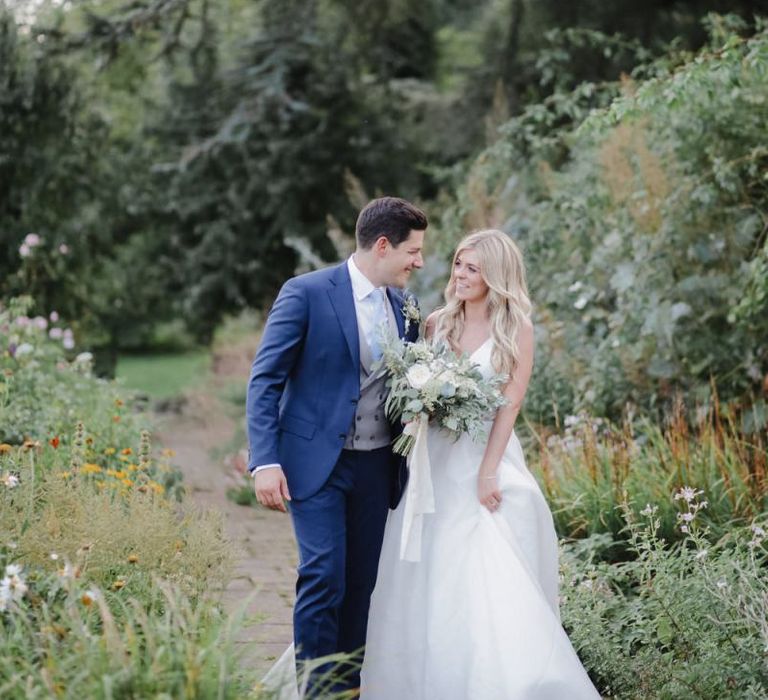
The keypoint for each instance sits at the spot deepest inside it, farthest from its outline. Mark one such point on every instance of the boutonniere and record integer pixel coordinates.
(410, 311)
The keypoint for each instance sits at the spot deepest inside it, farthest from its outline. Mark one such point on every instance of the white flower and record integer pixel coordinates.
(688, 493)
(649, 510)
(571, 421)
(32, 240)
(10, 481)
(54, 316)
(575, 287)
(68, 342)
(722, 583)
(41, 322)
(580, 303)
(702, 554)
(22, 321)
(64, 249)
(24, 250)
(687, 517)
(13, 586)
(56, 333)
(418, 375)
(759, 532)
(24, 349)
(83, 358)
(54, 556)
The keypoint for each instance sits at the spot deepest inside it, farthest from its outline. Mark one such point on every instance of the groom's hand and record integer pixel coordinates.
(272, 488)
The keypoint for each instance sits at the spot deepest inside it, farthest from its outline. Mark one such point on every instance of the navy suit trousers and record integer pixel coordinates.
(340, 530)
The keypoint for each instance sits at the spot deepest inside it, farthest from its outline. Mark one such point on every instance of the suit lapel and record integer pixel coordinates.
(397, 306)
(343, 303)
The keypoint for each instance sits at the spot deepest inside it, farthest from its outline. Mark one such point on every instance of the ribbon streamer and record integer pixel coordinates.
(419, 495)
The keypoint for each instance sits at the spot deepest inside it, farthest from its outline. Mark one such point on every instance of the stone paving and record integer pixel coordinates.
(264, 576)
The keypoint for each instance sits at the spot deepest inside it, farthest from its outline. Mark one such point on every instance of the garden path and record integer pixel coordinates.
(264, 575)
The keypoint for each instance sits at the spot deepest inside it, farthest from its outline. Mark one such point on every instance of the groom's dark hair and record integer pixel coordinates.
(391, 217)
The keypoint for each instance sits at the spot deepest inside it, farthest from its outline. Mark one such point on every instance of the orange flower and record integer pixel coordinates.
(89, 440)
(54, 441)
(118, 402)
(126, 451)
(133, 558)
(127, 482)
(115, 419)
(5, 448)
(117, 585)
(88, 597)
(30, 444)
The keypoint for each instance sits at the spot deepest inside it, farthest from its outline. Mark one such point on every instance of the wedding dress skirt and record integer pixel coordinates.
(477, 617)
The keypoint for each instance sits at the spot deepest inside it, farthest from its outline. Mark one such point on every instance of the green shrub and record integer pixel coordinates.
(643, 226)
(685, 620)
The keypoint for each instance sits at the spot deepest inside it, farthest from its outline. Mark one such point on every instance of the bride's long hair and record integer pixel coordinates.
(502, 269)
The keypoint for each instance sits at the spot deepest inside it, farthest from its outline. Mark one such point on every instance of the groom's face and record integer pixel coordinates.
(397, 262)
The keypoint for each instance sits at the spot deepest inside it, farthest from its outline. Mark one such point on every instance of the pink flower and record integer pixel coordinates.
(24, 250)
(32, 240)
(41, 322)
(64, 249)
(54, 316)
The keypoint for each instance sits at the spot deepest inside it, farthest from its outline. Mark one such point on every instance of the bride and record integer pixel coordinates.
(477, 617)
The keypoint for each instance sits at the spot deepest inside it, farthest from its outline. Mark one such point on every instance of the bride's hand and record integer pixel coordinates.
(488, 492)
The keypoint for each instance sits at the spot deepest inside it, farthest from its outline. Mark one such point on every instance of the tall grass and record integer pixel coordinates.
(588, 473)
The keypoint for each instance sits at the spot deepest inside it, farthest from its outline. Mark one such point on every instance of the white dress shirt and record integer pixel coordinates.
(362, 289)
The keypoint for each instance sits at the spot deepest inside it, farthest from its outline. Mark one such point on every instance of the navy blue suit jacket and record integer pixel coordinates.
(305, 380)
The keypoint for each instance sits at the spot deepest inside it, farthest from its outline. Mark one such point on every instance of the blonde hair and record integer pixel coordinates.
(502, 269)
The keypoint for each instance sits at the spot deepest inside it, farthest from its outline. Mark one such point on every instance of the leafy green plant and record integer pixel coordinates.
(684, 620)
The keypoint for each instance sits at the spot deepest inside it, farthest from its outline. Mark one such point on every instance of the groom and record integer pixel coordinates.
(316, 426)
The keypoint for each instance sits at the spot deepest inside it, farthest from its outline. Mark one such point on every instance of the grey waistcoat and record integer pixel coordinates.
(370, 427)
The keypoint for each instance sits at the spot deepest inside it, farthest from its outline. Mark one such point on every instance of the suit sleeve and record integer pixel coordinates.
(281, 343)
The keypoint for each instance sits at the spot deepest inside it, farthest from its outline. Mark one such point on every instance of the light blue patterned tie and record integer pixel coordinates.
(379, 323)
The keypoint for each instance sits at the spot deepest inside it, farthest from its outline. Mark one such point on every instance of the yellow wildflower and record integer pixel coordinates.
(90, 468)
(118, 402)
(110, 451)
(133, 558)
(168, 453)
(126, 481)
(157, 488)
(65, 475)
(117, 585)
(5, 448)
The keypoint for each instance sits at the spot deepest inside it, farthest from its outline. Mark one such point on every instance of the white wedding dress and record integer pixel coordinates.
(477, 617)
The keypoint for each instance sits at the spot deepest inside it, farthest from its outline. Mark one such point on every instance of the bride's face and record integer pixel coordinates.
(468, 282)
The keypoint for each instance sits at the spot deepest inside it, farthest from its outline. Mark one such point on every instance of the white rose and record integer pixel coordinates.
(418, 375)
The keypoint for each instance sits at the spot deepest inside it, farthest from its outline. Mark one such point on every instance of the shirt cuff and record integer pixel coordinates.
(264, 466)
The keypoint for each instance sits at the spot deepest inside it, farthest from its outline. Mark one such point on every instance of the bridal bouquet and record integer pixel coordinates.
(429, 382)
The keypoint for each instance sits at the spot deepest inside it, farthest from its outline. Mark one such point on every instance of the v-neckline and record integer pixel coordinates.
(479, 347)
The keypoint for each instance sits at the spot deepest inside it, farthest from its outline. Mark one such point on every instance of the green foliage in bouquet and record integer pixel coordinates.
(429, 379)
